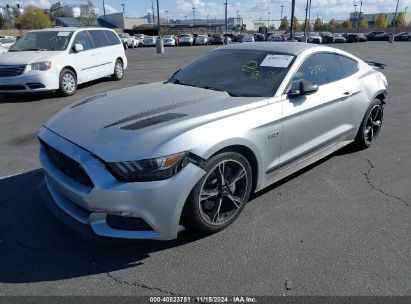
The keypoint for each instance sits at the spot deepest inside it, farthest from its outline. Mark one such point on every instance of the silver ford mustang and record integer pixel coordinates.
(144, 161)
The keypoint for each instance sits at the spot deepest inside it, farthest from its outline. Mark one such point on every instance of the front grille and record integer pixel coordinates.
(68, 166)
(11, 70)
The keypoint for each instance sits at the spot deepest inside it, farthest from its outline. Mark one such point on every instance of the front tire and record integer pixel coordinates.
(118, 70)
(220, 196)
(371, 125)
(67, 82)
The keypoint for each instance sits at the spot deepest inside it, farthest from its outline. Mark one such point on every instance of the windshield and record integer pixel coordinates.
(245, 73)
(42, 41)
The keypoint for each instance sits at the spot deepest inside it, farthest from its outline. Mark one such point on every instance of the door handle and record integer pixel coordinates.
(346, 95)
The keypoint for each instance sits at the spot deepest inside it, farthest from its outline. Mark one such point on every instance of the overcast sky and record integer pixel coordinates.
(253, 9)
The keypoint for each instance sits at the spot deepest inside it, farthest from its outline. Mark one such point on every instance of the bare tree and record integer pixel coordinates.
(88, 13)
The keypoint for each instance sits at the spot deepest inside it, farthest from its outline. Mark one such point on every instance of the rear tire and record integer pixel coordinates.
(220, 196)
(371, 125)
(67, 82)
(118, 70)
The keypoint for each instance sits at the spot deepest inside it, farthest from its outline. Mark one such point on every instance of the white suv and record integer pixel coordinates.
(60, 59)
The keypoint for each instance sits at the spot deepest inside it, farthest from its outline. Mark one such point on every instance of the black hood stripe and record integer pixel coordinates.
(161, 109)
(152, 121)
(89, 99)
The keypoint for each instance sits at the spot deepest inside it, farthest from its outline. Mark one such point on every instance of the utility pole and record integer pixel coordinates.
(194, 16)
(282, 8)
(104, 10)
(359, 17)
(159, 42)
(292, 20)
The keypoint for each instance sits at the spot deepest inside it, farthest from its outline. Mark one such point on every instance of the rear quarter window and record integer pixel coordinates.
(112, 38)
(349, 66)
(99, 38)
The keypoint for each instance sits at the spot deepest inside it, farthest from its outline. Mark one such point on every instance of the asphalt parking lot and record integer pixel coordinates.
(340, 227)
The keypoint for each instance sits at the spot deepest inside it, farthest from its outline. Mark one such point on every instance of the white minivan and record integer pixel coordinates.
(60, 59)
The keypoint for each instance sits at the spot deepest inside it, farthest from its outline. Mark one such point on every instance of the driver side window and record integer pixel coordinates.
(83, 38)
(319, 69)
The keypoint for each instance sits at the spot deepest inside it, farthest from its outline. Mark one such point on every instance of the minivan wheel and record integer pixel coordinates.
(220, 196)
(118, 70)
(371, 125)
(67, 82)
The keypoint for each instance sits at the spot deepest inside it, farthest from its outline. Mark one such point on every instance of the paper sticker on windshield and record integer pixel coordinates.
(277, 61)
(63, 34)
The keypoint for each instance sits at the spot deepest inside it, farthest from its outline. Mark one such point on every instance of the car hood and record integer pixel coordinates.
(28, 57)
(138, 122)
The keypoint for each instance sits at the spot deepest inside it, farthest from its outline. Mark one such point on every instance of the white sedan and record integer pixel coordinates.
(7, 42)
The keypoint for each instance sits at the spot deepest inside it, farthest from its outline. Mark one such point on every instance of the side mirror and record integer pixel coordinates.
(304, 88)
(78, 48)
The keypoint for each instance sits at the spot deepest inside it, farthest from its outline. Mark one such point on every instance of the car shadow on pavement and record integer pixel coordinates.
(36, 247)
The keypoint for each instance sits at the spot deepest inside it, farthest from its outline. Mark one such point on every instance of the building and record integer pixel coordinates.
(120, 21)
(370, 18)
(217, 24)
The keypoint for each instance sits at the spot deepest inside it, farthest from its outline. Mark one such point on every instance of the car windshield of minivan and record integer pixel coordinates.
(43, 41)
(240, 73)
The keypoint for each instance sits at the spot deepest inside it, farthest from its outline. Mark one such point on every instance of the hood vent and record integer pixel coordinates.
(89, 99)
(152, 121)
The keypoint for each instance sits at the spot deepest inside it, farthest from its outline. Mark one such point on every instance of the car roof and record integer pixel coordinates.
(284, 47)
(69, 29)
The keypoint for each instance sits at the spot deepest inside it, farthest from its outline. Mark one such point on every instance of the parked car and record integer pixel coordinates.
(375, 35)
(217, 39)
(327, 37)
(268, 34)
(339, 38)
(276, 38)
(352, 37)
(202, 40)
(60, 59)
(170, 40)
(128, 41)
(406, 37)
(233, 37)
(246, 38)
(259, 37)
(398, 36)
(186, 39)
(299, 36)
(362, 38)
(183, 154)
(6, 42)
(150, 41)
(139, 38)
(314, 37)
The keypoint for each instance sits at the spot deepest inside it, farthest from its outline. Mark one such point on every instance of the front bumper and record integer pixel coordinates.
(159, 203)
(38, 82)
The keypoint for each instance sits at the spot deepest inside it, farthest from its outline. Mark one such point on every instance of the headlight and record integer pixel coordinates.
(41, 66)
(149, 169)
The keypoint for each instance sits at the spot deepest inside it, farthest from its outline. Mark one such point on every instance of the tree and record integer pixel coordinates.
(297, 25)
(400, 20)
(332, 25)
(347, 24)
(363, 24)
(88, 14)
(285, 26)
(318, 25)
(33, 18)
(2, 21)
(381, 21)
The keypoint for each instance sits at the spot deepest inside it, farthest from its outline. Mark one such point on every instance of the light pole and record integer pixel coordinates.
(166, 17)
(152, 9)
(123, 5)
(194, 16)
(226, 22)
(282, 8)
(268, 21)
(238, 18)
(393, 21)
(159, 42)
(292, 20)
(185, 19)
(305, 22)
(207, 17)
(359, 17)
